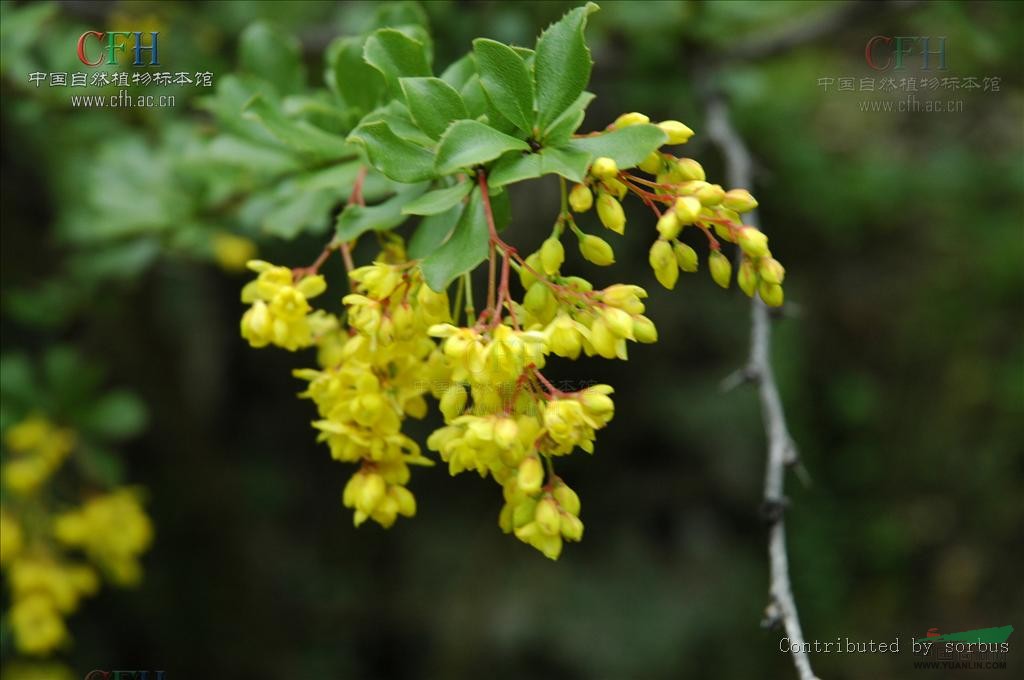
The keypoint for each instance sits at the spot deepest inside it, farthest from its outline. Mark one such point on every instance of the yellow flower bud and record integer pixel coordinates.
(571, 528)
(404, 499)
(595, 249)
(578, 283)
(603, 339)
(526, 278)
(721, 268)
(687, 209)
(371, 493)
(552, 255)
(753, 242)
(453, 402)
(652, 164)
(580, 198)
(567, 499)
(664, 264)
(689, 169)
(710, 194)
(627, 119)
(604, 168)
(686, 256)
(739, 200)
(620, 323)
(771, 293)
(565, 337)
(616, 188)
(523, 514)
(547, 517)
(644, 330)
(597, 403)
(530, 474)
(746, 277)
(676, 131)
(610, 212)
(540, 302)
(505, 432)
(771, 270)
(625, 297)
(669, 225)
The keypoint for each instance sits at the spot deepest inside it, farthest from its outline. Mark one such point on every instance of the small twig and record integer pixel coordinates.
(781, 450)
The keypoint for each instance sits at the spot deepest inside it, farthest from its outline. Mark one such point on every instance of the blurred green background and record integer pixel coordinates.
(900, 360)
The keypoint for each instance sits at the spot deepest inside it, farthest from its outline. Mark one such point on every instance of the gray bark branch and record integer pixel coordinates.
(781, 449)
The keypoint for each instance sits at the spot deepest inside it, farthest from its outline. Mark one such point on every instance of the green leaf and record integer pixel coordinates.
(115, 415)
(432, 231)
(569, 163)
(433, 104)
(568, 122)
(562, 64)
(439, 200)
(298, 134)
(398, 118)
(468, 142)
(399, 159)
(274, 55)
(17, 380)
(506, 80)
(481, 108)
(463, 251)
(358, 84)
(396, 55)
(101, 465)
(459, 72)
(304, 202)
(627, 146)
(501, 208)
(399, 13)
(356, 220)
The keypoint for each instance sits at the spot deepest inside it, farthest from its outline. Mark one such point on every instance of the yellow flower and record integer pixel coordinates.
(280, 312)
(10, 537)
(37, 625)
(113, 530)
(39, 448)
(231, 252)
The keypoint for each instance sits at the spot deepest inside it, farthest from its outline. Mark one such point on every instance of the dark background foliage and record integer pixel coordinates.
(899, 358)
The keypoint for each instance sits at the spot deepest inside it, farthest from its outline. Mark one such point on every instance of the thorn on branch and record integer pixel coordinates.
(772, 509)
(772, 616)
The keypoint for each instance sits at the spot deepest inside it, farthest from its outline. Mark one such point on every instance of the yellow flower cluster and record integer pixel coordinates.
(280, 307)
(680, 186)
(373, 374)
(112, 530)
(45, 579)
(397, 342)
(36, 448)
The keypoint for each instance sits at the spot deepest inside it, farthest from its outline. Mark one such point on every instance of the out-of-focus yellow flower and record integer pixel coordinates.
(37, 624)
(113, 530)
(231, 251)
(37, 670)
(38, 448)
(10, 537)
